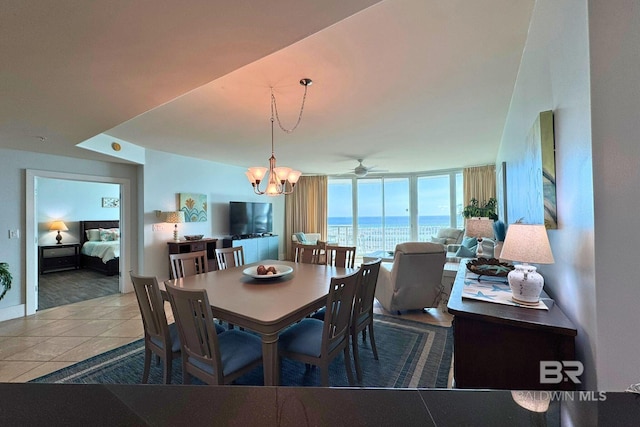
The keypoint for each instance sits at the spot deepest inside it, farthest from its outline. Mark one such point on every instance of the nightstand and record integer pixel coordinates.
(59, 257)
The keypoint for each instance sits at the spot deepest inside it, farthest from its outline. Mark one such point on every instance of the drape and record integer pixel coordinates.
(306, 209)
(479, 183)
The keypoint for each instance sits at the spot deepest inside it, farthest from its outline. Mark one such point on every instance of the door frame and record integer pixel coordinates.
(31, 227)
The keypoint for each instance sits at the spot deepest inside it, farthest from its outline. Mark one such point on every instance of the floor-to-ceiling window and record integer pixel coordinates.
(378, 213)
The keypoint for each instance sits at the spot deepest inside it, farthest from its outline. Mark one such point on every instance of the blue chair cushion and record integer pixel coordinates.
(319, 314)
(237, 350)
(175, 337)
(305, 337)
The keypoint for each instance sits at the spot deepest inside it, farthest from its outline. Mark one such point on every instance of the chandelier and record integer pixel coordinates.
(280, 180)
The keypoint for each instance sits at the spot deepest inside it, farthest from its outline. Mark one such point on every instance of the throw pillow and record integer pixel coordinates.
(106, 235)
(301, 237)
(470, 242)
(464, 252)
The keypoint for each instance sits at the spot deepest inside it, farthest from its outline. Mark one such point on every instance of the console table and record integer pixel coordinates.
(186, 246)
(500, 347)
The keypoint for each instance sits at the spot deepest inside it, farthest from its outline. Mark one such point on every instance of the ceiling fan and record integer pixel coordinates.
(361, 170)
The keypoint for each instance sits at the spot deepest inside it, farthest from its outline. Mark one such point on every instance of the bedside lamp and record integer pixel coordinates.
(58, 226)
(479, 228)
(526, 243)
(176, 218)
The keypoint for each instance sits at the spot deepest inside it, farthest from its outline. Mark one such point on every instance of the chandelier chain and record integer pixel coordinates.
(274, 108)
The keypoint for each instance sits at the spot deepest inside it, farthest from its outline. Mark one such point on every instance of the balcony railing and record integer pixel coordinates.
(371, 239)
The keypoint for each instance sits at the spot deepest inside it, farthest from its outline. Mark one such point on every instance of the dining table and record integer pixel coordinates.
(265, 305)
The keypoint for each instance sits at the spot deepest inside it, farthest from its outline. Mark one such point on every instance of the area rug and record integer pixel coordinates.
(411, 355)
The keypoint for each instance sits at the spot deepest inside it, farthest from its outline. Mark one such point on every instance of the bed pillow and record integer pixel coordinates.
(106, 235)
(116, 233)
(93, 235)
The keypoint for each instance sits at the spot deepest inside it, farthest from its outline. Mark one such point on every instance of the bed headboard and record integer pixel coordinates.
(88, 225)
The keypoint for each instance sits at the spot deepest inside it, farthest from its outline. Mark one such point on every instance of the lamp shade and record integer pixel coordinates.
(527, 243)
(59, 226)
(479, 227)
(175, 217)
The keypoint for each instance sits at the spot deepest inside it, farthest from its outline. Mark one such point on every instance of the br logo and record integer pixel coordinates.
(554, 372)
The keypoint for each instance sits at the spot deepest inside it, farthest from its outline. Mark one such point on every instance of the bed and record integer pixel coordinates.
(100, 248)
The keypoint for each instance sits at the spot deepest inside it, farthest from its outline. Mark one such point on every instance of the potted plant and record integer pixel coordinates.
(5, 278)
(485, 209)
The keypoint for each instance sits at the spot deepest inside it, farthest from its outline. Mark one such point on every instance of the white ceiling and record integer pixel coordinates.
(408, 85)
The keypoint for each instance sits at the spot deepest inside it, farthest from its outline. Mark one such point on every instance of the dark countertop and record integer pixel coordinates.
(171, 405)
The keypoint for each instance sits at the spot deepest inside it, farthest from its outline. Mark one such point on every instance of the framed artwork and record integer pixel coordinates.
(194, 206)
(110, 202)
(548, 151)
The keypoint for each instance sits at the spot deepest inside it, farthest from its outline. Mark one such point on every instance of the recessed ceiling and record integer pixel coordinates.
(407, 85)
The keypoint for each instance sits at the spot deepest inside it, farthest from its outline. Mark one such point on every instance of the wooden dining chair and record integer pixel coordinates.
(341, 256)
(215, 358)
(188, 264)
(229, 257)
(309, 254)
(362, 317)
(160, 338)
(318, 342)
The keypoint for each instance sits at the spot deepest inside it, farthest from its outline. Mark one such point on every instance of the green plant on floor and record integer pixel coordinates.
(484, 209)
(5, 278)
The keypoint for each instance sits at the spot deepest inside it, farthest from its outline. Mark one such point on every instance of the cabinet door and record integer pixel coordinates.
(274, 247)
(250, 249)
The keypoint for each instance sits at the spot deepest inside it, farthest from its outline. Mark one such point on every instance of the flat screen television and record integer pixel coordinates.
(250, 218)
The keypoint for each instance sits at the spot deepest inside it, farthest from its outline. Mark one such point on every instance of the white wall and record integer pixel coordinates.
(614, 28)
(581, 60)
(166, 175)
(71, 202)
(13, 164)
(554, 76)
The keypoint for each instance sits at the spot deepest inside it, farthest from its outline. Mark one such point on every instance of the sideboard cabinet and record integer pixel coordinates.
(186, 246)
(256, 248)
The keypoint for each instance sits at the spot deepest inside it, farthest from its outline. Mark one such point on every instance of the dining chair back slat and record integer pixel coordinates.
(362, 317)
(214, 358)
(309, 254)
(229, 257)
(157, 333)
(318, 342)
(341, 256)
(188, 264)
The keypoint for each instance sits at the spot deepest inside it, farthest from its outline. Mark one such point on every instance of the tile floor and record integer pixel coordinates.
(58, 337)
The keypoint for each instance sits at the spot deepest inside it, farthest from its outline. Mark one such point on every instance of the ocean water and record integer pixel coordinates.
(391, 221)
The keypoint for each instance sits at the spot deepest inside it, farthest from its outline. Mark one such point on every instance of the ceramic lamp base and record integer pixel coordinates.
(175, 234)
(526, 284)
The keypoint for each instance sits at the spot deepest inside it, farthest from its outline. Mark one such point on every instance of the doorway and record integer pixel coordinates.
(34, 228)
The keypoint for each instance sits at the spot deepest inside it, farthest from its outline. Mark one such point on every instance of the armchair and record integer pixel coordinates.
(414, 279)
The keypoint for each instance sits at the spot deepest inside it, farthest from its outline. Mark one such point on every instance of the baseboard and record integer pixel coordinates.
(12, 312)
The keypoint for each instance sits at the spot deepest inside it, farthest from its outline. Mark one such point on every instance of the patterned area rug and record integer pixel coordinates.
(411, 355)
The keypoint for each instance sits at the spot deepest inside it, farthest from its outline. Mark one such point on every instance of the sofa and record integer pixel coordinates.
(414, 280)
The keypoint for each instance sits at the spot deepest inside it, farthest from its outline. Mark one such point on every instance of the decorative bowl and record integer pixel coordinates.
(489, 267)
(281, 270)
(194, 237)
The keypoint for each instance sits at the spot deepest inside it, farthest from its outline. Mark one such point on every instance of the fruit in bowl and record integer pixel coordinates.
(266, 271)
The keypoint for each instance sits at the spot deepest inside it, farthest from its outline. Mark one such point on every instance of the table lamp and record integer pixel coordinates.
(176, 217)
(526, 243)
(479, 228)
(59, 226)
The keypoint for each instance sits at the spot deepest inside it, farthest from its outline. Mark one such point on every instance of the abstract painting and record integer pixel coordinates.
(194, 206)
(548, 151)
